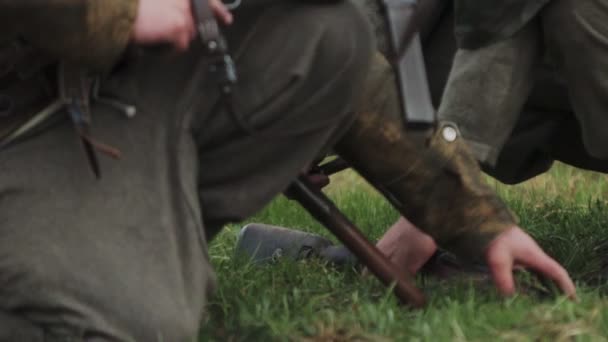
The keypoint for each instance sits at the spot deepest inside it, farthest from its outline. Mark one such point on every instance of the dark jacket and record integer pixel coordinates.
(482, 22)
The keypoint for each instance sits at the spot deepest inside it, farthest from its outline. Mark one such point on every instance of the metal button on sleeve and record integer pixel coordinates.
(449, 133)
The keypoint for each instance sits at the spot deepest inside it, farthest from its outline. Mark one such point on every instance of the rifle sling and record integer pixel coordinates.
(408, 62)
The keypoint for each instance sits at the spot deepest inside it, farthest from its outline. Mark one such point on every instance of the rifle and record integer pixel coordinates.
(402, 18)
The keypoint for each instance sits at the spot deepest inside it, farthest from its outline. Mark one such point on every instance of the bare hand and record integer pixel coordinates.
(171, 22)
(514, 248)
(407, 246)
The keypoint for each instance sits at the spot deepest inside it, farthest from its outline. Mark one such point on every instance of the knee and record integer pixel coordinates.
(314, 63)
(347, 33)
(344, 57)
(346, 43)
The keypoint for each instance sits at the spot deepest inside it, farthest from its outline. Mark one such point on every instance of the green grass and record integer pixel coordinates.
(308, 301)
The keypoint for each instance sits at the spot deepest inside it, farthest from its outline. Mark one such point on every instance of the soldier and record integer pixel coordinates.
(527, 87)
(124, 257)
(406, 245)
(558, 46)
(440, 189)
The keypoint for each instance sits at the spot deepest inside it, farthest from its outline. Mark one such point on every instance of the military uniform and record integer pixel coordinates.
(434, 181)
(506, 49)
(125, 257)
(546, 128)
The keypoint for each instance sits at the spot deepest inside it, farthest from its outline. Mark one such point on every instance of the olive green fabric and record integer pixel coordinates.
(438, 185)
(546, 128)
(540, 138)
(488, 87)
(124, 258)
(479, 23)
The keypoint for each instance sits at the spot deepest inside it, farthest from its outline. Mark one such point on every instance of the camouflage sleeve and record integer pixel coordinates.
(438, 186)
(472, 214)
(90, 32)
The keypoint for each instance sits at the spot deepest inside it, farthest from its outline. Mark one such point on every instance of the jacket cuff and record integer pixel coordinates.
(476, 215)
(492, 220)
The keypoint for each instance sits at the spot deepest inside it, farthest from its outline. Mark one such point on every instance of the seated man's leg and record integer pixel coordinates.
(124, 257)
(576, 33)
(121, 258)
(300, 66)
(15, 328)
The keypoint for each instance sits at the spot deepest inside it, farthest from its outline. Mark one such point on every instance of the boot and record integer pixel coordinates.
(263, 243)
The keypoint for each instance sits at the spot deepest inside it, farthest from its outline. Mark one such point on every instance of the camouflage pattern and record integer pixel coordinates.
(479, 23)
(93, 33)
(439, 188)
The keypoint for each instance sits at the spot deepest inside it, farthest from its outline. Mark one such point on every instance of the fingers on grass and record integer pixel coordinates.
(548, 267)
(501, 266)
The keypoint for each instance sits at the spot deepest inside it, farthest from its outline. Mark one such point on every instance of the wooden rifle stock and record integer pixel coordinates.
(403, 19)
(324, 210)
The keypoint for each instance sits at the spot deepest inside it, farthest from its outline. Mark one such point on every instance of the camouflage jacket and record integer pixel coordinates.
(90, 33)
(482, 22)
(35, 35)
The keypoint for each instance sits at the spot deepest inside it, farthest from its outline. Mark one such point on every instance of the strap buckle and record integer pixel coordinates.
(221, 64)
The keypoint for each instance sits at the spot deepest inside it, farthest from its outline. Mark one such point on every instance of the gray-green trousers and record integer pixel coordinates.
(488, 88)
(124, 258)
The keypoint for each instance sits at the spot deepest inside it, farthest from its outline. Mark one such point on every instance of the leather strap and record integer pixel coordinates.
(403, 21)
(207, 27)
(220, 62)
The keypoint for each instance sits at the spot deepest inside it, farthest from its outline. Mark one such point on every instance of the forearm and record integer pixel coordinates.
(466, 214)
(89, 32)
(438, 187)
